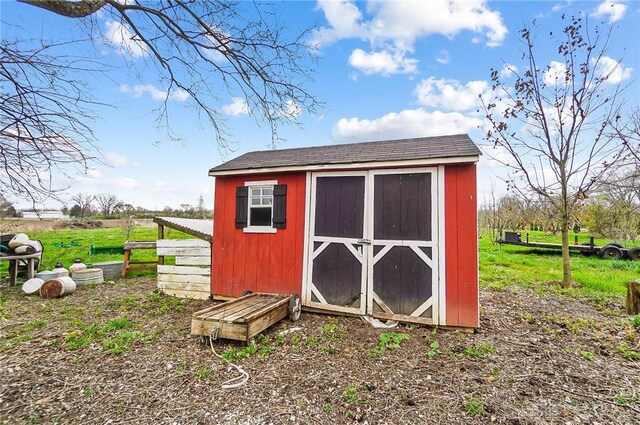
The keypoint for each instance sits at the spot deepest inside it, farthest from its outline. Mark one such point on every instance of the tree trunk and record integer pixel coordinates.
(567, 282)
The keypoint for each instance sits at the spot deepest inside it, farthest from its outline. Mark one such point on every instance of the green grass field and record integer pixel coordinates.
(500, 266)
(77, 243)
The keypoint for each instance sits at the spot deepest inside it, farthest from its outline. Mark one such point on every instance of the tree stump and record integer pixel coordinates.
(633, 297)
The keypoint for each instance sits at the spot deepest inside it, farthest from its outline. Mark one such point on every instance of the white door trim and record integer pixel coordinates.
(308, 287)
(433, 262)
(368, 297)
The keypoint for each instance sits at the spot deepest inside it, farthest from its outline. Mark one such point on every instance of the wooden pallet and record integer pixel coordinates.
(243, 318)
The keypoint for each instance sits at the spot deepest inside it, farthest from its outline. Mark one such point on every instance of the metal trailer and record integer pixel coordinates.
(612, 251)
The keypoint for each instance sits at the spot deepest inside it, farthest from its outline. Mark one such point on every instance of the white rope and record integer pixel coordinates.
(232, 383)
(389, 324)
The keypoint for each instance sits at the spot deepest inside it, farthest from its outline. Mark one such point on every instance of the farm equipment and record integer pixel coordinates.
(612, 251)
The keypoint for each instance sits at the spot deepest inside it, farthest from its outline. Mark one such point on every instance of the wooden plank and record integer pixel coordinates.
(193, 261)
(205, 311)
(184, 251)
(275, 302)
(259, 304)
(140, 245)
(227, 308)
(182, 243)
(225, 330)
(403, 318)
(160, 236)
(206, 271)
(273, 316)
(187, 294)
(200, 287)
(633, 297)
(246, 309)
(182, 278)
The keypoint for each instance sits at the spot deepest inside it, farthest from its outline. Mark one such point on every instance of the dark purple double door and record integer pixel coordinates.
(371, 243)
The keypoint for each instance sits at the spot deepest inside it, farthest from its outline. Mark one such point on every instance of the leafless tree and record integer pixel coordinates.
(44, 118)
(128, 220)
(614, 211)
(554, 121)
(206, 51)
(85, 202)
(107, 203)
(628, 131)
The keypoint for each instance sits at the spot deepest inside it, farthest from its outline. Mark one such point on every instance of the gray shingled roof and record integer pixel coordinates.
(452, 146)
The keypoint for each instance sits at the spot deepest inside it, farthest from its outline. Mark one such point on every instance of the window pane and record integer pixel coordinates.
(255, 201)
(267, 191)
(255, 191)
(260, 216)
(267, 201)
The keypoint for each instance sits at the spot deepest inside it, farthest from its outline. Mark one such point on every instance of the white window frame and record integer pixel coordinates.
(259, 229)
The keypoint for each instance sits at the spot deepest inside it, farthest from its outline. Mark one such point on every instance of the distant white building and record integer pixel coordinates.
(45, 214)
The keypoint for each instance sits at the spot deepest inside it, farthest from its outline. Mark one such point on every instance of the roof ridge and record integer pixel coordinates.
(356, 143)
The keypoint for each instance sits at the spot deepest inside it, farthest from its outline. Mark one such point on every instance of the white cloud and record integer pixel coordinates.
(615, 10)
(126, 183)
(443, 57)
(156, 94)
(508, 70)
(345, 20)
(119, 36)
(559, 6)
(450, 95)
(495, 156)
(116, 160)
(291, 110)
(237, 107)
(93, 173)
(383, 62)
(556, 73)
(403, 124)
(394, 26)
(612, 70)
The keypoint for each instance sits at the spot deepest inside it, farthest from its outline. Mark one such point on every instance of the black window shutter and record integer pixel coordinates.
(242, 206)
(280, 206)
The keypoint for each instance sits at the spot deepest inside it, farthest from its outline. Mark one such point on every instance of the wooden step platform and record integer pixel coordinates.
(245, 317)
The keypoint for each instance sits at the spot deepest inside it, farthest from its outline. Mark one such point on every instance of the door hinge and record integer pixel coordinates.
(364, 241)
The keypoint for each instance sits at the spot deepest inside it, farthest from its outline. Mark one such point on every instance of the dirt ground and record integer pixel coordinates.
(535, 359)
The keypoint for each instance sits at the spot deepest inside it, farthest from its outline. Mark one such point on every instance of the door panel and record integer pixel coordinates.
(371, 244)
(402, 273)
(339, 206)
(402, 280)
(402, 207)
(337, 261)
(337, 275)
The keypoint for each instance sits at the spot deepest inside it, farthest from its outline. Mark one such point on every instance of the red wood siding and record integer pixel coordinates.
(259, 262)
(461, 240)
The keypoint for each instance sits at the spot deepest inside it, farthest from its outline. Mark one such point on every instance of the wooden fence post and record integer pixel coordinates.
(633, 297)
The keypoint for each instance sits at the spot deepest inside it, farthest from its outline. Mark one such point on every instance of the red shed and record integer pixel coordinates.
(383, 228)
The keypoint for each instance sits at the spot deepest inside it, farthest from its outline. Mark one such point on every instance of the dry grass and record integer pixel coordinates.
(122, 354)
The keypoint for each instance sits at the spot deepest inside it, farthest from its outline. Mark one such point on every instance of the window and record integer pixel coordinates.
(261, 207)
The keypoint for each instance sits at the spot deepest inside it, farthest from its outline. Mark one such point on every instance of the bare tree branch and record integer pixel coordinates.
(555, 121)
(204, 52)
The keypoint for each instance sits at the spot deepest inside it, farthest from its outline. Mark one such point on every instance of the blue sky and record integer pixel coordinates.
(385, 70)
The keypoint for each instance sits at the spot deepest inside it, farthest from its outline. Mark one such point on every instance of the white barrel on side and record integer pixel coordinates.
(58, 287)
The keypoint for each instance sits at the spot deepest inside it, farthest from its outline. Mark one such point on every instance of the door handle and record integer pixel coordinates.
(364, 241)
